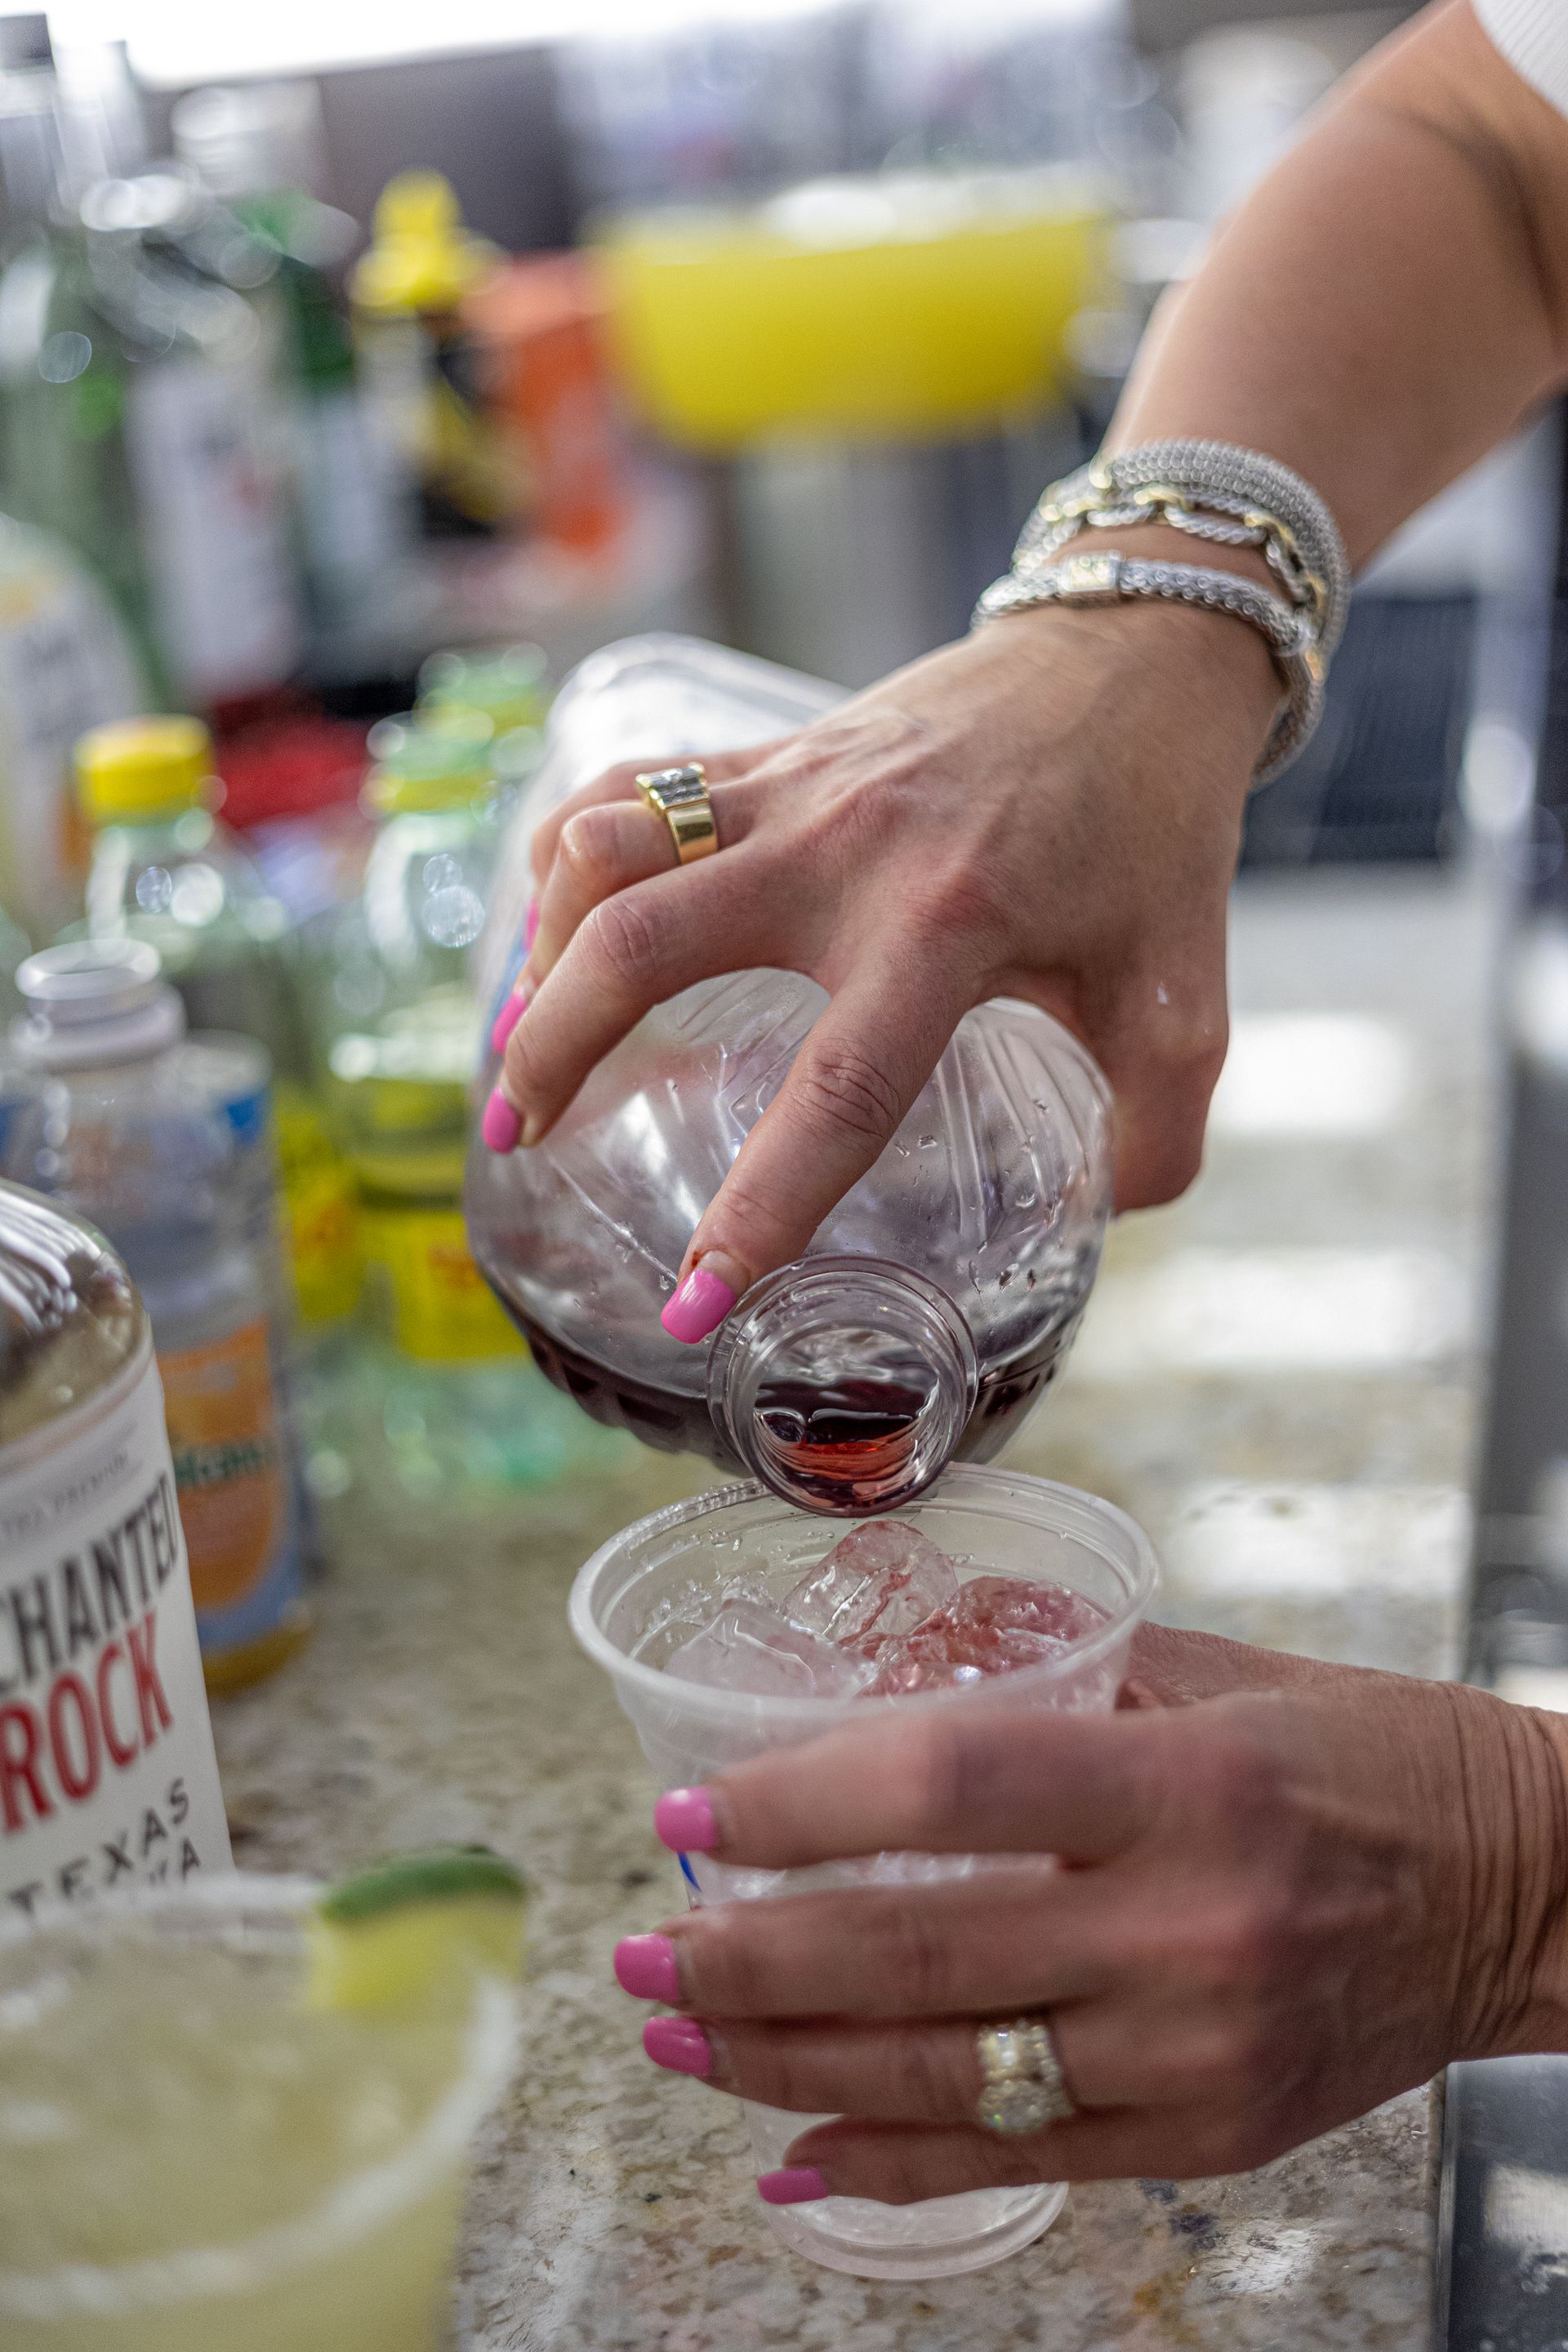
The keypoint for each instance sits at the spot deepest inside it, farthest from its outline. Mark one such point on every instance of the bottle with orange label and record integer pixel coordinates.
(115, 1121)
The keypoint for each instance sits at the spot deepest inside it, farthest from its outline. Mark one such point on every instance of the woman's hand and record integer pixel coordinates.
(1049, 810)
(1277, 1908)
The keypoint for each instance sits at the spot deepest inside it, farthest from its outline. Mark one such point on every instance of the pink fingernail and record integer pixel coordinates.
(507, 1019)
(699, 1307)
(683, 1819)
(531, 927)
(644, 1966)
(501, 1125)
(677, 2044)
(796, 2184)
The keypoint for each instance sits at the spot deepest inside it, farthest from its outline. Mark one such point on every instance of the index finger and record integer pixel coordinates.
(948, 1777)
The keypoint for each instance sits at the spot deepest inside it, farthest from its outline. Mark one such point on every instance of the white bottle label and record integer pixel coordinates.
(64, 667)
(107, 1770)
(211, 522)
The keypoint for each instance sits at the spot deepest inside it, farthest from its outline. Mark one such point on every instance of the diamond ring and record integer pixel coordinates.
(1024, 2090)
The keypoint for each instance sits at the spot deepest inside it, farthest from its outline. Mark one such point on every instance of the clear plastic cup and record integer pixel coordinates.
(990, 1522)
(357, 2263)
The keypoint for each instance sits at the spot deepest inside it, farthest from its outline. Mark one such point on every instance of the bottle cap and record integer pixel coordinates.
(508, 684)
(428, 768)
(95, 1000)
(422, 258)
(140, 767)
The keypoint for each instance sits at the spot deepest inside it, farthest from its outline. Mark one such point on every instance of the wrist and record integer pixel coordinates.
(1179, 667)
(1515, 1799)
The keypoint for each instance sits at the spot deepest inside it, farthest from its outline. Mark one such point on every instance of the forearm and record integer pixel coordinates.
(1393, 298)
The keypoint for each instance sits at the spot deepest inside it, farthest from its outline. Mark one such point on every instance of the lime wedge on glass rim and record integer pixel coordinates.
(416, 1926)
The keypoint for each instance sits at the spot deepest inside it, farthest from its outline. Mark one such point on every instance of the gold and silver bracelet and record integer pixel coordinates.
(1214, 492)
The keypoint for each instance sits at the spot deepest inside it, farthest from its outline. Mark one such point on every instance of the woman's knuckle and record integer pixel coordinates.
(1191, 1043)
(776, 2074)
(626, 939)
(729, 1974)
(845, 1090)
(916, 1952)
(936, 2076)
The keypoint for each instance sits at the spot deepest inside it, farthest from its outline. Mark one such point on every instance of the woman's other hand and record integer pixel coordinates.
(1277, 1908)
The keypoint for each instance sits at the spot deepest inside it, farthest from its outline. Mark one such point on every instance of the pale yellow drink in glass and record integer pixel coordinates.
(197, 2153)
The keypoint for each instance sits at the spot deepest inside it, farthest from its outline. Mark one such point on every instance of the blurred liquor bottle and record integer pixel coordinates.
(135, 401)
(258, 149)
(423, 364)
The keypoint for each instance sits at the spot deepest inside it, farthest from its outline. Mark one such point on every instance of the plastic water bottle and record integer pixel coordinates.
(121, 1125)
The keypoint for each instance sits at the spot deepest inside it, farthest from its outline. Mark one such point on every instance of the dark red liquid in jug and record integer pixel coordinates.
(837, 1440)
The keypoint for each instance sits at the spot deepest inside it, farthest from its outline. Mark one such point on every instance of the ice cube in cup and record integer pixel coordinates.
(994, 1625)
(754, 1647)
(881, 1581)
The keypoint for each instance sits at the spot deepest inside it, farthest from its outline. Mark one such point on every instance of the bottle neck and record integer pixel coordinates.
(843, 1384)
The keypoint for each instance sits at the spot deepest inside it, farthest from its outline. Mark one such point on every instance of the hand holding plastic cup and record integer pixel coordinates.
(671, 1569)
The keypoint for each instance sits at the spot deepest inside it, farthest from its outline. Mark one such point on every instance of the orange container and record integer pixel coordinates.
(539, 325)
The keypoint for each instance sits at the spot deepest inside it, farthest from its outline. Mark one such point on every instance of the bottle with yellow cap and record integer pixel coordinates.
(446, 1386)
(166, 870)
(398, 1028)
(421, 366)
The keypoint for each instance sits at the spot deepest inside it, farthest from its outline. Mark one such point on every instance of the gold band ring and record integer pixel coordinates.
(1024, 2090)
(680, 795)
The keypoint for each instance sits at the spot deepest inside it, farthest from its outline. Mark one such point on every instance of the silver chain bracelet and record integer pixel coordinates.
(1228, 497)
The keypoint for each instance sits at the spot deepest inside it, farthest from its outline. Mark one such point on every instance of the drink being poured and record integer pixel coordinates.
(934, 1304)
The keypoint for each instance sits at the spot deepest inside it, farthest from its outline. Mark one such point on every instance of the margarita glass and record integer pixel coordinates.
(197, 2150)
(663, 1570)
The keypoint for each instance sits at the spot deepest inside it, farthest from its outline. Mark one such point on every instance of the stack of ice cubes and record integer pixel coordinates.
(883, 1613)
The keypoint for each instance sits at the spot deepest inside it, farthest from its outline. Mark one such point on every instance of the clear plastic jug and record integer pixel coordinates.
(934, 1304)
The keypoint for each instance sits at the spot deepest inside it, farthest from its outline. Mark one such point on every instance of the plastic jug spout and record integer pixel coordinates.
(843, 1384)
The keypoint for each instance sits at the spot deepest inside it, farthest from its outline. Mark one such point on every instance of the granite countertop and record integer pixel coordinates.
(1278, 1377)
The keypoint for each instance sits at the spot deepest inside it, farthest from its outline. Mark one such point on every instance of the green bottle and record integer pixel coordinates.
(255, 149)
(135, 402)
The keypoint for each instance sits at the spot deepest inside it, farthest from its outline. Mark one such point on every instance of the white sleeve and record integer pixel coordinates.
(1533, 37)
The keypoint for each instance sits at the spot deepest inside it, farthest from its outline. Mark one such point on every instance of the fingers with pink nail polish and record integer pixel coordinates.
(531, 927)
(684, 1820)
(501, 1125)
(644, 1966)
(699, 1307)
(796, 2184)
(511, 1013)
(679, 2044)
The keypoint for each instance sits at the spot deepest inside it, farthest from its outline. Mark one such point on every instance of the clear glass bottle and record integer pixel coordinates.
(167, 870)
(936, 1302)
(110, 1772)
(136, 386)
(448, 1390)
(124, 1127)
(257, 148)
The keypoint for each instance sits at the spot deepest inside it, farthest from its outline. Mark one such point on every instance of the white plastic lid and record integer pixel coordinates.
(95, 1000)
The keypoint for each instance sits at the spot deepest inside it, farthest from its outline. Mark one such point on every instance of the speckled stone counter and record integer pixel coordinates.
(1278, 1377)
